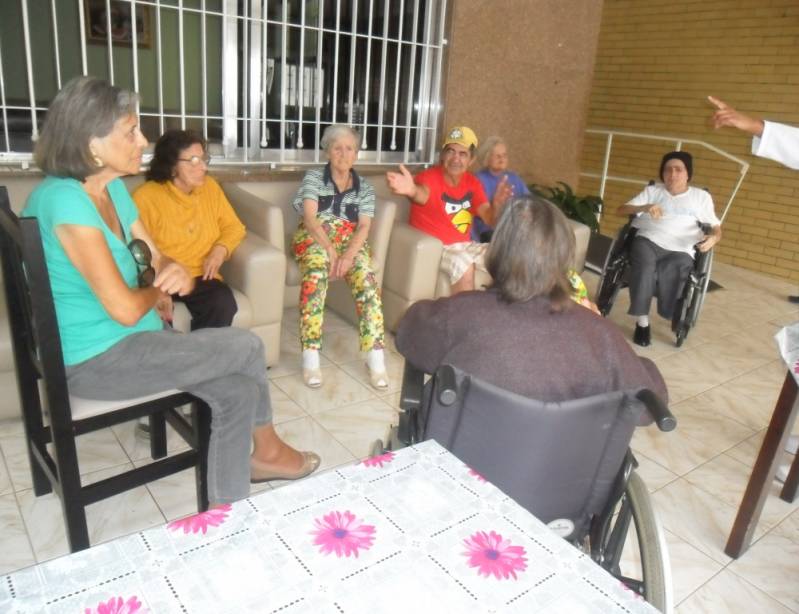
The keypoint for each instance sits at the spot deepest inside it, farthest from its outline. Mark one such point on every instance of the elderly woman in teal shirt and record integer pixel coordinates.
(108, 281)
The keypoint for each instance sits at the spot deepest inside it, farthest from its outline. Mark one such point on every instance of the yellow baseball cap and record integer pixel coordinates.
(461, 135)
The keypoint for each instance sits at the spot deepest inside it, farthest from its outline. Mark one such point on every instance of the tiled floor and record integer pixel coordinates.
(723, 385)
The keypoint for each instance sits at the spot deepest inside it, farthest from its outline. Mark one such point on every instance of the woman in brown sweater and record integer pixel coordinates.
(525, 334)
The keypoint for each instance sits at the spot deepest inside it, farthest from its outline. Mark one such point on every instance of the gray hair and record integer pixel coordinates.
(85, 108)
(531, 252)
(334, 132)
(487, 148)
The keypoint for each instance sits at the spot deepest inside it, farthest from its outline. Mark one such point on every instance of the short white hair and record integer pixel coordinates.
(334, 132)
(487, 148)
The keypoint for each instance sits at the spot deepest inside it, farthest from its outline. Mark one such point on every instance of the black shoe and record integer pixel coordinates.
(793, 299)
(642, 336)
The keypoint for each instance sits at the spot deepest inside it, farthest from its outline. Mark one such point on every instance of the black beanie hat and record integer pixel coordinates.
(683, 156)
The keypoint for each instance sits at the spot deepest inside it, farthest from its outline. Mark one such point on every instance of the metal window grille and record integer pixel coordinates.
(260, 79)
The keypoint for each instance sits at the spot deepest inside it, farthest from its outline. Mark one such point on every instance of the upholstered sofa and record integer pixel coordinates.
(251, 272)
(266, 209)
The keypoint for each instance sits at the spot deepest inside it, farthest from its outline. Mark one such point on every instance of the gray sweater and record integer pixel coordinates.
(524, 347)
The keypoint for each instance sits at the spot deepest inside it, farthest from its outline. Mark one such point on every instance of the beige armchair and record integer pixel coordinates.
(254, 203)
(413, 272)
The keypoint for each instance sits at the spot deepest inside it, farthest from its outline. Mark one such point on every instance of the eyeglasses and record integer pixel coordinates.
(143, 256)
(195, 160)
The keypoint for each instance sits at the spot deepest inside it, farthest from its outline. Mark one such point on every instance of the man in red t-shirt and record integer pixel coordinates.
(444, 200)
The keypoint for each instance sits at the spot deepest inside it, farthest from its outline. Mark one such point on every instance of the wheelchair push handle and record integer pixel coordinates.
(704, 227)
(657, 409)
(447, 386)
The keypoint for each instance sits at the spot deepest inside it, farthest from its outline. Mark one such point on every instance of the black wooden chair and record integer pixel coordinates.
(53, 419)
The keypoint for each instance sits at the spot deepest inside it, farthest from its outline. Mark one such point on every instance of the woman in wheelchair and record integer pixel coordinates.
(108, 279)
(668, 218)
(525, 334)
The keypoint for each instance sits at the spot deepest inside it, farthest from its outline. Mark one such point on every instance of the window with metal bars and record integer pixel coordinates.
(261, 79)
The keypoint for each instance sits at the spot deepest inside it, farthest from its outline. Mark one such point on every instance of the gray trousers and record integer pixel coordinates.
(656, 272)
(225, 367)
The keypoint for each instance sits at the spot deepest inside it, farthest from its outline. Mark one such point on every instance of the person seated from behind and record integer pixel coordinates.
(444, 201)
(336, 207)
(532, 339)
(662, 252)
(191, 221)
(492, 156)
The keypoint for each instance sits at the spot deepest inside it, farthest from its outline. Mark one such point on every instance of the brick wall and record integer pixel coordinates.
(656, 63)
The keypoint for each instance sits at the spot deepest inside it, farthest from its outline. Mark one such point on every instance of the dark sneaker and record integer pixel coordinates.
(793, 299)
(642, 336)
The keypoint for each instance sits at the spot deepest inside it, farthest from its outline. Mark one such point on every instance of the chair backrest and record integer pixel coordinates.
(558, 460)
(31, 315)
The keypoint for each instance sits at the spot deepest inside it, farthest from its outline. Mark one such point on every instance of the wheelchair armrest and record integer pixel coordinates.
(657, 408)
(447, 387)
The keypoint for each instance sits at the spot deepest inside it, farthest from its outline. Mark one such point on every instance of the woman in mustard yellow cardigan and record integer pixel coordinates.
(192, 222)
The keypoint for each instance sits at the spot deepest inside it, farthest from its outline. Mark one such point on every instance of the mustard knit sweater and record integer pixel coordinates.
(185, 227)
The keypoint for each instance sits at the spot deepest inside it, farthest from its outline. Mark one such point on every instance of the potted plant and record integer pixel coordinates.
(582, 209)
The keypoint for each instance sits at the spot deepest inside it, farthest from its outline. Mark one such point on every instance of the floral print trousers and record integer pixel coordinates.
(315, 269)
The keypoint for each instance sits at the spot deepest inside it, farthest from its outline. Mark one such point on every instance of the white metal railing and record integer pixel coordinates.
(678, 142)
(375, 64)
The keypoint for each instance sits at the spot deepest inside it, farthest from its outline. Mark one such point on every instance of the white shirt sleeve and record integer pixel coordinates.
(779, 142)
(708, 212)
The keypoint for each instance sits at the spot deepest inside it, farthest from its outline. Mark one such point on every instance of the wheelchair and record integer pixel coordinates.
(587, 491)
(615, 277)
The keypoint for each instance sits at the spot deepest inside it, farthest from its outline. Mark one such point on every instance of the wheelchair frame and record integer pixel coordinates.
(615, 277)
(608, 532)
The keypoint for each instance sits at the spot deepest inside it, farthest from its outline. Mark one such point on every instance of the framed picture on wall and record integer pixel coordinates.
(97, 20)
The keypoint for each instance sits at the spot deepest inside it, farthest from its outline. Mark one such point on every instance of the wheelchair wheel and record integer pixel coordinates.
(647, 571)
(652, 545)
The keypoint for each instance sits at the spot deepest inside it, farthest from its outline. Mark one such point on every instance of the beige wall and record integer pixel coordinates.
(522, 69)
(656, 63)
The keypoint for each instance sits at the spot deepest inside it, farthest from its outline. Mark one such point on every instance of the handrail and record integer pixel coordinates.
(604, 177)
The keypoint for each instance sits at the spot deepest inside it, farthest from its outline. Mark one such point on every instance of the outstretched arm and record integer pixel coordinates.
(402, 184)
(725, 115)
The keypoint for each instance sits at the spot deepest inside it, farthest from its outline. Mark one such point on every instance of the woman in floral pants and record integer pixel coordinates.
(337, 207)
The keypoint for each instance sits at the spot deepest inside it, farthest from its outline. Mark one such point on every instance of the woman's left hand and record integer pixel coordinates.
(213, 261)
(344, 264)
(174, 279)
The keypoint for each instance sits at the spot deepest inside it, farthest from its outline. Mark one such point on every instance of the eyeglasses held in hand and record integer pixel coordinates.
(143, 256)
(195, 160)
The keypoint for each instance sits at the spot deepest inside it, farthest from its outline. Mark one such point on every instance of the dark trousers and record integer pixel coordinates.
(211, 304)
(656, 272)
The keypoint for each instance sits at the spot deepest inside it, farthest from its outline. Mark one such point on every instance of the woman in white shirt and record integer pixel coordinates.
(662, 253)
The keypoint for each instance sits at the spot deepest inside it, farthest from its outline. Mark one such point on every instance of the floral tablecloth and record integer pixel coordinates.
(414, 530)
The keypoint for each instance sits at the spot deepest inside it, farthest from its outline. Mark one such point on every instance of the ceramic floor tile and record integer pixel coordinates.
(307, 434)
(137, 447)
(5, 479)
(175, 495)
(726, 478)
(746, 452)
(696, 517)
(690, 569)
(772, 565)
(341, 345)
(675, 450)
(358, 426)
(283, 408)
(394, 368)
(701, 419)
(727, 399)
(726, 592)
(655, 476)
(338, 388)
(16, 552)
(120, 515)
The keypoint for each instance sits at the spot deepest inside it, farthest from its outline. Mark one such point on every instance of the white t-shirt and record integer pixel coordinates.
(677, 230)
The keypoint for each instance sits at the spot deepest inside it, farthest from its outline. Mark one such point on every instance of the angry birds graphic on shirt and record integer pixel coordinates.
(459, 211)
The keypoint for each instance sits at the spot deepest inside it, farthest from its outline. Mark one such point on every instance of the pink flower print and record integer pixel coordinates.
(476, 475)
(493, 555)
(796, 367)
(377, 461)
(342, 533)
(116, 605)
(200, 522)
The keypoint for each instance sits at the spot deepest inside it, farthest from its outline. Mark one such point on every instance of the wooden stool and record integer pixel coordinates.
(765, 468)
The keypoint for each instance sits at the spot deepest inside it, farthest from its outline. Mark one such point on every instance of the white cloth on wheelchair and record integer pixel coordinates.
(677, 230)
